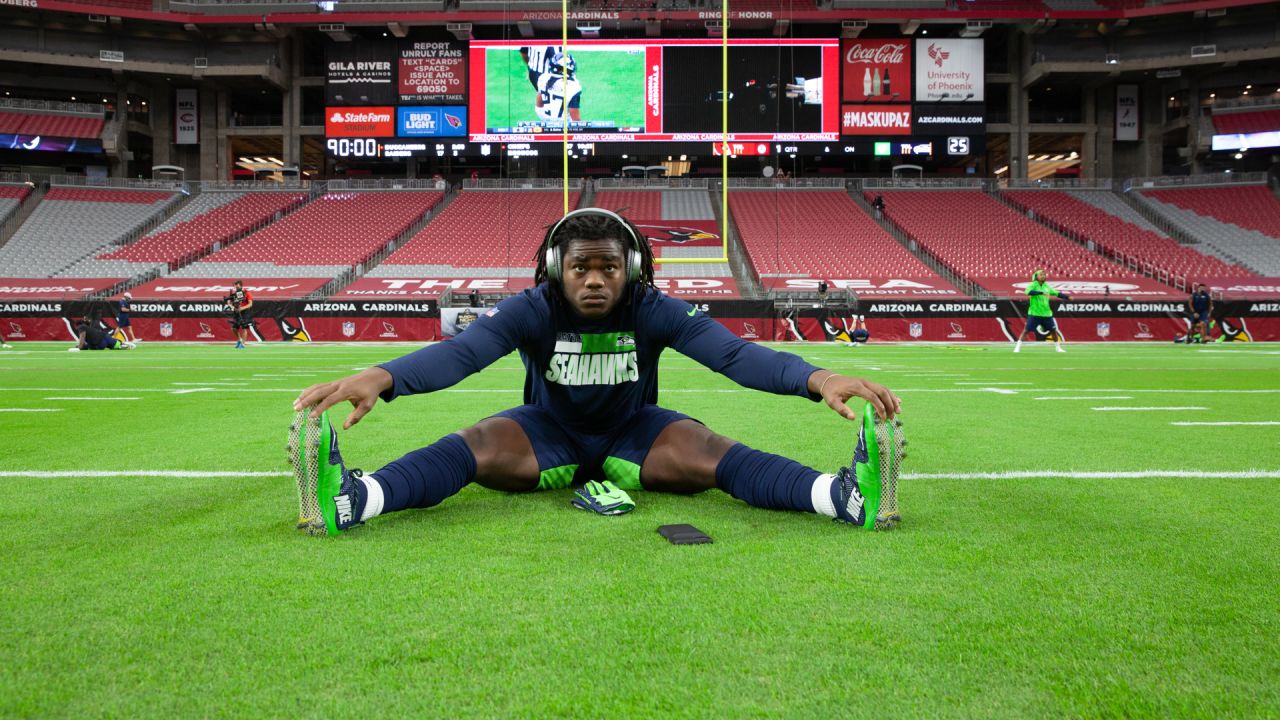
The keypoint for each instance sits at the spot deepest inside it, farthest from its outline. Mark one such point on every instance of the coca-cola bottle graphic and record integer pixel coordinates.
(866, 83)
(875, 82)
(884, 88)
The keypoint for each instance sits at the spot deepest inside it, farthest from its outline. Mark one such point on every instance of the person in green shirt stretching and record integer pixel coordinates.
(1039, 313)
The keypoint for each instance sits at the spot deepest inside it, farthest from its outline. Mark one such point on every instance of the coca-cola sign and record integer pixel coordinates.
(876, 71)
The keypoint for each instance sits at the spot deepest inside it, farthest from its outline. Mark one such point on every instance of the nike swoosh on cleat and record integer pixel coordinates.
(692, 312)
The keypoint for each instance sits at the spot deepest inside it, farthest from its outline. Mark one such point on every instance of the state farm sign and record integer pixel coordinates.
(359, 122)
(875, 120)
(876, 71)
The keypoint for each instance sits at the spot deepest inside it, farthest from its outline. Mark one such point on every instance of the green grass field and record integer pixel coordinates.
(612, 87)
(1137, 592)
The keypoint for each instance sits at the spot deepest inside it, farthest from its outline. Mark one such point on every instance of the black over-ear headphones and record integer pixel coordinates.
(555, 256)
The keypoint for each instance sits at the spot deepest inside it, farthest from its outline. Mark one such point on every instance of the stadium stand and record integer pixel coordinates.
(27, 123)
(658, 205)
(329, 236)
(819, 234)
(1243, 123)
(1252, 207)
(670, 205)
(996, 241)
(1256, 250)
(480, 234)
(1086, 220)
(11, 198)
(201, 225)
(71, 223)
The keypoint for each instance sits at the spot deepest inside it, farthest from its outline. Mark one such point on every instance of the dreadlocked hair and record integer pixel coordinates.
(596, 227)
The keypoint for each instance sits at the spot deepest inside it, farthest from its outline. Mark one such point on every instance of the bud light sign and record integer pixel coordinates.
(439, 121)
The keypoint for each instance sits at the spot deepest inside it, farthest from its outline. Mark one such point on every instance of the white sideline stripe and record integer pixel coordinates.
(233, 384)
(30, 409)
(106, 399)
(993, 383)
(138, 473)
(1009, 475)
(1094, 475)
(999, 391)
(1108, 408)
(1215, 424)
(1088, 397)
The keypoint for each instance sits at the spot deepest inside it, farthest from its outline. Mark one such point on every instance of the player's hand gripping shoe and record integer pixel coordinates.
(330, 497)
(603, 498)
(866, 495)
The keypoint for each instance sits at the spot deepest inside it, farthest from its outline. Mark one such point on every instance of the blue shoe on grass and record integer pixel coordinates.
(866, 495)
(330, 497)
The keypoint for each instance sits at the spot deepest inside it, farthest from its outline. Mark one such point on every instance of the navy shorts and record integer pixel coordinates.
(564, 453)
(123, 321)
(1200, 316)
(1035, 321)
(108, 343)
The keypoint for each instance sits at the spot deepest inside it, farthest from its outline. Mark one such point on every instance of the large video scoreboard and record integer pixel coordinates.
(894, 97)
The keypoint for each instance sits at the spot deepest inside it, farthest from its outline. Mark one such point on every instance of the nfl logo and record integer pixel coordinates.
(348, 329)
(1104, 329)
(166, 329)
(915, 329)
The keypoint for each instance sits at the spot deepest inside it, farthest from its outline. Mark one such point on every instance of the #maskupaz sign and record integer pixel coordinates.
(949, 70)
(1127, 112)
(186, 117)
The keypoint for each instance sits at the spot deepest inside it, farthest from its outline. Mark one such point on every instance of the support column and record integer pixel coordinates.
(1194, 113)
(162, 150)
(209, 166)
(123, 166)
(1020, 137)
(1104, 148)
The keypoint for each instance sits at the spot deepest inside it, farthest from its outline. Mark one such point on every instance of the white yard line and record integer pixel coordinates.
(1008, 475)
(1122, 408)
(1094, 475)
(992, 383)
(30, 409)
(203, 384)
(1088, 397)
(1227, 423)
(102, 399)
(140, 473)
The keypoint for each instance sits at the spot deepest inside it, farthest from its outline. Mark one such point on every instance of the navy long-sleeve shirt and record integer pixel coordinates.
(593, 374)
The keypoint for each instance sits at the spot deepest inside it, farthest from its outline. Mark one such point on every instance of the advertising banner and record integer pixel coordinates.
(872, 287)
(45, 288)
(186, 116)
(433, 72)
(419, 287)
(875, 120)
(214, 290)
(359, 122)
(438, 121)
(876, 71)
(949, 70)
(1118, 289)
(1128, 113)
(949, 120)
(360, 73)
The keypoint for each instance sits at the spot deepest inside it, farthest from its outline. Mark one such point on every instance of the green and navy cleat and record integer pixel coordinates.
(329, 495)
(603, 498)
(866, 495)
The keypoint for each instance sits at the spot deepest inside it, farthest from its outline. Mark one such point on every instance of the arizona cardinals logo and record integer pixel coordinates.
(675, 234)
(938, 55)
(293, 330)
(453, 120)
(15, 328)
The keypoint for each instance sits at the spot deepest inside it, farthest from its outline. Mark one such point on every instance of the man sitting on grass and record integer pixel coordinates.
(590, 334)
